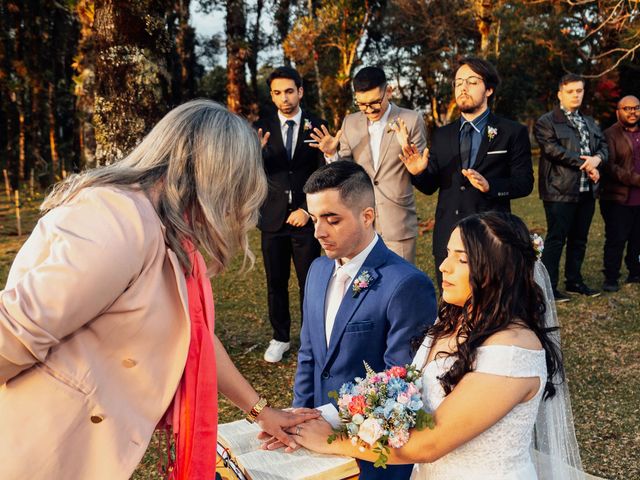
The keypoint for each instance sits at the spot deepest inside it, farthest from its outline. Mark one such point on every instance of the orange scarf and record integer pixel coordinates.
(194, 412)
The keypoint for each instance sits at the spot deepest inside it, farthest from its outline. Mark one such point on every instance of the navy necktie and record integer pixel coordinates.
(465, 145)
(289, 141)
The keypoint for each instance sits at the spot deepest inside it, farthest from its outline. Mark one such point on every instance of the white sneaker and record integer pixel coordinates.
(275, 351)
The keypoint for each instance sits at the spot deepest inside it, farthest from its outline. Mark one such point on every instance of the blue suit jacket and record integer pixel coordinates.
(375, 326)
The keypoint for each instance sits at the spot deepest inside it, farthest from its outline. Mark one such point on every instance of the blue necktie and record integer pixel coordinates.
(289, 141)
(465, 145)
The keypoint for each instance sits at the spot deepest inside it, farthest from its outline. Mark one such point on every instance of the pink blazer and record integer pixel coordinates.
(94, 334)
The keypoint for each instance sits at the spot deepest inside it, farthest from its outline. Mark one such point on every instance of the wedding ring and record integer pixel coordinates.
(297, 429)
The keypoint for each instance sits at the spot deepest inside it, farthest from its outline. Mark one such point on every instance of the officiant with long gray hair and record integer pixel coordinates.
(107, 317)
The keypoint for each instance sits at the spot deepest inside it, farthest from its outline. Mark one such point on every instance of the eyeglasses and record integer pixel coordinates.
(635, 108)
(470, 81)
(376, 105)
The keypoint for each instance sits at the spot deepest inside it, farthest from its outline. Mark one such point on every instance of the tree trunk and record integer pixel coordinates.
(252, 62)
(236, 56)
(132, 81)
(84, 83)
(484, 19)
(55, 158)
(184, 56)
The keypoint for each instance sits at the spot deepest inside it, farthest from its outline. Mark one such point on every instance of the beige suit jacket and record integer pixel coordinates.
(395, 203)
(94, 334)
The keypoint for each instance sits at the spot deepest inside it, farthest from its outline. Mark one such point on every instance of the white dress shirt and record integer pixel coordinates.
(284, 128)
(376, 131)
(351, 268)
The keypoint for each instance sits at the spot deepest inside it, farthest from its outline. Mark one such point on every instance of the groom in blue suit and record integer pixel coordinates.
(362, 301)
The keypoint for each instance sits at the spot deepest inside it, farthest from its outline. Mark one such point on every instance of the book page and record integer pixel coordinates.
(239, 436)
(299, 465)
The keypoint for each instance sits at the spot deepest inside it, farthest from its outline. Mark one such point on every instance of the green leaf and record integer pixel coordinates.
(333, 394)
(424, 420)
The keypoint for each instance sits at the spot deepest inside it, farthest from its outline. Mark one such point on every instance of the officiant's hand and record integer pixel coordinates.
(269, 442)
(277, 423)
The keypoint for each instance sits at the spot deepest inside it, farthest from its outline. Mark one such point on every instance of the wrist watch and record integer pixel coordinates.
(256, 409)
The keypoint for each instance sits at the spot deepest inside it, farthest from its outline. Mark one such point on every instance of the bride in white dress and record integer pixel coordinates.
(488, 365)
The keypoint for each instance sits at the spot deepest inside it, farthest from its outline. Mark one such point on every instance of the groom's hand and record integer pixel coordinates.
(274, 422)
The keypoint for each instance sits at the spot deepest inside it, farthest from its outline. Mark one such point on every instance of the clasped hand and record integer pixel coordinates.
(311, 434)
(590, 166)
(278, 425)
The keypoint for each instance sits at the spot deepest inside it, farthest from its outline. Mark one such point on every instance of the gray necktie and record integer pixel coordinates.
(465, 145)
(289, 141)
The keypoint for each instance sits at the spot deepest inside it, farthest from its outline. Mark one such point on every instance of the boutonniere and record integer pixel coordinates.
(538, 244)
(307, 125)
(492, 132)
(393, 126)
(361, 283)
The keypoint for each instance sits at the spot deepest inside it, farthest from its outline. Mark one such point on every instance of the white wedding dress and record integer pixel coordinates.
(503, 452)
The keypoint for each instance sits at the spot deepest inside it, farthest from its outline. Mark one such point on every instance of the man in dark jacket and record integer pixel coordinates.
(572, 148)
(478, 163)
(620, 195)
(286, 230)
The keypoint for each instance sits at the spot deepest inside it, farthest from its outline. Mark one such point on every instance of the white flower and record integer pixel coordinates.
(357, 419)
(492, 132)
(370, 431)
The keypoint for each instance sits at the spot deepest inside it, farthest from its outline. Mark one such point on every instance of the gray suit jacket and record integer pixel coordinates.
(395, 204)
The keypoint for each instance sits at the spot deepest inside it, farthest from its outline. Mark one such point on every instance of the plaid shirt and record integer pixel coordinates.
(576, 120)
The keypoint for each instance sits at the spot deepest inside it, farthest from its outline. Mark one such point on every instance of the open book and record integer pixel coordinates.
(239, 440)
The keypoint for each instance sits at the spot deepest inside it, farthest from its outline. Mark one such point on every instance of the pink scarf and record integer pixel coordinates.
(194, 411)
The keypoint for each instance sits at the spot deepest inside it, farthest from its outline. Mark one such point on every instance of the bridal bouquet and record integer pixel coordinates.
(378, 411)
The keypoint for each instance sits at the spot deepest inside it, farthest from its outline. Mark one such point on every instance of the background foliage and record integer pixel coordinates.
(81, 81)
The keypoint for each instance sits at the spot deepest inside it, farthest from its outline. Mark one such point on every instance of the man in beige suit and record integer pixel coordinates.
(368, 138)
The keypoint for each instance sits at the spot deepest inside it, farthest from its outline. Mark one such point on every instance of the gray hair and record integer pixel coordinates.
(207, 165)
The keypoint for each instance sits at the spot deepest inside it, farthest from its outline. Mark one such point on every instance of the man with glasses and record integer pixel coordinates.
(286, 231)
(572, 148)
(478, 163)
(620, 195)
(368, 138)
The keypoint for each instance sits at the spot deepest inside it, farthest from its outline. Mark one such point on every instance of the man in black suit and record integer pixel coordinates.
(286, 230)
(479, 162)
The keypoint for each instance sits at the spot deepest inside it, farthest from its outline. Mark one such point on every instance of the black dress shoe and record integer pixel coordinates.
(560, 297)
(633, 279)
(610, 286)
(582, 289)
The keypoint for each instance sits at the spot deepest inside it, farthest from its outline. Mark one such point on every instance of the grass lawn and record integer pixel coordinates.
(601, 342)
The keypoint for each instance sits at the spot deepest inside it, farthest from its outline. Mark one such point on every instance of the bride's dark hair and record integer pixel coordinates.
(501, 259)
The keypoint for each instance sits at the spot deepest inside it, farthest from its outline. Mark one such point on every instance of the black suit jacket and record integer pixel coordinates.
(283, 175)
(504, 160)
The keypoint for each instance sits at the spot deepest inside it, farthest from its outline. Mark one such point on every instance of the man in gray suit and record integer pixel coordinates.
(368, 137)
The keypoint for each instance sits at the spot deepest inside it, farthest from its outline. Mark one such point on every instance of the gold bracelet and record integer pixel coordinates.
(257, 408)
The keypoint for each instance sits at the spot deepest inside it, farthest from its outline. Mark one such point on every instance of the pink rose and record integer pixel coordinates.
(398, 438)
(404, 398)
(370, 431)
(412, 390)
(345, 400)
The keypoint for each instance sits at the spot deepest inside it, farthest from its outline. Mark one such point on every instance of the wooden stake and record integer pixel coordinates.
(31, 182)
(17, 202)
(7, 185)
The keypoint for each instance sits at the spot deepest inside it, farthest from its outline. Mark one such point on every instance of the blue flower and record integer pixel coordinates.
(347, 388)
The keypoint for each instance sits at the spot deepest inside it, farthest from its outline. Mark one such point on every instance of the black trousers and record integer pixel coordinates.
(278, 248)
(621, 227)
(567, 223)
